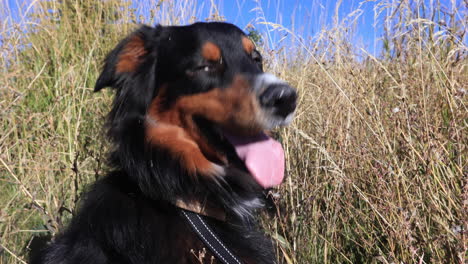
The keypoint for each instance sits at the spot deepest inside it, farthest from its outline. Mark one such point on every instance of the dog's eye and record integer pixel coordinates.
(210, 66)
(206, 68)
(203, 68)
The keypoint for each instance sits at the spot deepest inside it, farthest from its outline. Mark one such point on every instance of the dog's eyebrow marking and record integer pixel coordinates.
(247, 44)
(211, 51)
(129, 57)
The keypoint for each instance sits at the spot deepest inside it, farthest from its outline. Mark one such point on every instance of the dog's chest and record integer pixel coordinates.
(185, 247)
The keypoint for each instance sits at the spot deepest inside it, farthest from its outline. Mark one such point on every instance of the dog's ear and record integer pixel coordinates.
(128, 58)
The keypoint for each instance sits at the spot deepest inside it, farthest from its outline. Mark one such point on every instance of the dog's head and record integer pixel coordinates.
(191, 107)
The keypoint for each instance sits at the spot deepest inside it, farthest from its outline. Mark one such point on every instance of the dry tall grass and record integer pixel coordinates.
(376, 157)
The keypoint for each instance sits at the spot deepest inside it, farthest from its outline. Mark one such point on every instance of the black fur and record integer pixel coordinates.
(128, 216)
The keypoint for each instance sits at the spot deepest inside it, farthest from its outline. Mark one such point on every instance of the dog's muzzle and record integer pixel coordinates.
(276, 98)
(262, 155)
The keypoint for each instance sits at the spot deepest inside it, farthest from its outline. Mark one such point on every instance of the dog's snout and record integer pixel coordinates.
(276, 98)
(281, 97)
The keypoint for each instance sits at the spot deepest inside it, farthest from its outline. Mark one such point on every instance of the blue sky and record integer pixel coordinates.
(304, 17)
(308, 17)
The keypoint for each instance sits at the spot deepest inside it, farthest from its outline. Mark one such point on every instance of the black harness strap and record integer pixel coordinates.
(209, 238)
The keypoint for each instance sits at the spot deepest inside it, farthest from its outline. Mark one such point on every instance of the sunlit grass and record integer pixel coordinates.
(376, 155)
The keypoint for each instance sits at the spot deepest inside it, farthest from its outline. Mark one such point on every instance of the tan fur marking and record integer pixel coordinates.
(248, 45)
(211, 51)
(179, 143)
(234, 108)
(129, 58)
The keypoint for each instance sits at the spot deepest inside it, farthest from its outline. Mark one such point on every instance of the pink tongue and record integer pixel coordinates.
(263, 157)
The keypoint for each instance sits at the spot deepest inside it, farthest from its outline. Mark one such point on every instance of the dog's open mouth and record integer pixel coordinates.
(263, 157)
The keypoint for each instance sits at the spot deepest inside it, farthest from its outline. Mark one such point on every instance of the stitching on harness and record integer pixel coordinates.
(206, 240)
(209, 230)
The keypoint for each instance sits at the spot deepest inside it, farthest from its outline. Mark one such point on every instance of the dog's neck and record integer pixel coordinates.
(202, 208)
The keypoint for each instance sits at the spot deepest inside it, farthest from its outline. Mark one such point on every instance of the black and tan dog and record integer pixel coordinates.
(187, 122)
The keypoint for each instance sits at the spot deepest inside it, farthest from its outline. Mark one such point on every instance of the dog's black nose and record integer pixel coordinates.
(281, 97)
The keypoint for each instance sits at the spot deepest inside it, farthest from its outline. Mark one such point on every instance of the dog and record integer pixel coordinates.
(187, 127)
